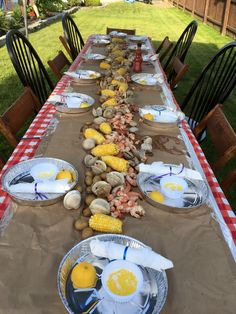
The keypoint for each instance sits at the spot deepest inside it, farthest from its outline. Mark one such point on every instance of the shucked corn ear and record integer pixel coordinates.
(121, 71)
(116, 163)
(105, 65)
(108, 92)
(123, 87)
(118, 53)
(105, 128)
(91, 133)
(117, 40)
(116, 82)
(110, 102)
(104, 223)
(105, 150)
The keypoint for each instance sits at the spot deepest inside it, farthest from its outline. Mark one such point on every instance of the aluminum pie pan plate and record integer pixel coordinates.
(20, 173)
(147, 79)
(150, 301)
(62, 106)
(94, 56)
(85, 76)
(158, 110)
(101, 42)
(138, 38)
(195, 195)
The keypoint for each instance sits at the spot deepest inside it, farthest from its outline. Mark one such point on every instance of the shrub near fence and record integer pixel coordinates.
(219, 13)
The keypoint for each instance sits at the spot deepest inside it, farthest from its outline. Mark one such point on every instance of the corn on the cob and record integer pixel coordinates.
(105, 128)
(121, 71)
(104, 223)
(119, 59)
(108, 92)
(118, 53)
(117, 40)
(123, 87)
(116, 163)
(110, 102)
(105, 150)
(116, 82)
(105, 65)
(91, 133)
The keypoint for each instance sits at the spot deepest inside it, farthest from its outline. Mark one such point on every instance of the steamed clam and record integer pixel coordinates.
(97, 112)
(89, 160)
(89, 143)
(115, 178)
(101, 188)
(99, 205)
(72, 200)
(98, 167)
(99, 120)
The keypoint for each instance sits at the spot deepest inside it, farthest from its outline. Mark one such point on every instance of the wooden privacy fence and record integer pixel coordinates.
(220, 13)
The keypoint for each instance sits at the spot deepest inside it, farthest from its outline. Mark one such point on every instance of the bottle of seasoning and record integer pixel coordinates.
(137, 65)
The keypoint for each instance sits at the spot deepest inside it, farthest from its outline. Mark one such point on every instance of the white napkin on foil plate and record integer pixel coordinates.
(159, 168)
(56, 186)
(142, 256)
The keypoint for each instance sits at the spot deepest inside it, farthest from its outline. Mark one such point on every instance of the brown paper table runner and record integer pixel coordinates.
(203, 279)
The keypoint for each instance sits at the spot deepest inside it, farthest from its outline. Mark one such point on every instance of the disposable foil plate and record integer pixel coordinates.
(147, 79)
(20, 173)
(150, 300)
(94, 56)
(195, 195)
(134, 47)
(62, 104)
(162, 116)
(84, 76)
(101, 42)
(138, 38)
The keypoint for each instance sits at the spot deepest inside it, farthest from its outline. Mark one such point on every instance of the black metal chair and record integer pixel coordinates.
(72, 35)
(213, 86)
(184, 42)
(28, 65)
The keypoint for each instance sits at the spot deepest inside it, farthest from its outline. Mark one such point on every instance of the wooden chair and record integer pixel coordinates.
(223, 137)
(227, 183)
(214, 84)
(164, 48)
(1, 164)
(122, 30)
(175, 72)
(14, 117)
(58, 63)
(65, 45)
(183, 44)
(72, 35)
(28, 65)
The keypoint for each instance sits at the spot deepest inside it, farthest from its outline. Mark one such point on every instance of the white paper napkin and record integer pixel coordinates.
(57, 186)
(159, 168)
(142, 256)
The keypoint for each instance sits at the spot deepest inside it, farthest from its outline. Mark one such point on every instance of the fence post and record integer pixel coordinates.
(193, 8)
(206, 11)
(226, 17)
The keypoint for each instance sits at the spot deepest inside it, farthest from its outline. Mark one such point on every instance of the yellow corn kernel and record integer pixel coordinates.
(116, 82)
(116, 163)
(104, 223)
(110, 102)
(105, 150)
(105, 65)
(91, 133)
(108, 92)
(123, 87)
(105, 128)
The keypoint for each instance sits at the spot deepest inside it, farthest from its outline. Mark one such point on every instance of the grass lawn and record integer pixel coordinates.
(147, 20)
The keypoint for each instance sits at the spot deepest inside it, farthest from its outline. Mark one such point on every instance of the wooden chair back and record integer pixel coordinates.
(17, 114)
(164, 48)
(28, 65)
(122, 30)
(221, 133)
(58, 63)
(1, 164)
(65, 45)
(176, 71)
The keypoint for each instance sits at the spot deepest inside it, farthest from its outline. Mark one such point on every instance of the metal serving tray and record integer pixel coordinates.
(150, 300)
(20, 173)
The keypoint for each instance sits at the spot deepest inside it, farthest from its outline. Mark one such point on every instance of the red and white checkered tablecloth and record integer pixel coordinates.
(27, 147)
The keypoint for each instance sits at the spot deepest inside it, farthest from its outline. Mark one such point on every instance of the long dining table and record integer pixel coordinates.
(34, 239)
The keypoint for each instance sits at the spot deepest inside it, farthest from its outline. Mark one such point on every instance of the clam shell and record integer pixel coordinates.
(115, 178)
(99, 120)
(99, 167)
(89, 143)
(133, 129)
(108, 113)
(72, 200)
(101, 188)
(99, 205)
(89, 160)
(146, 147)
